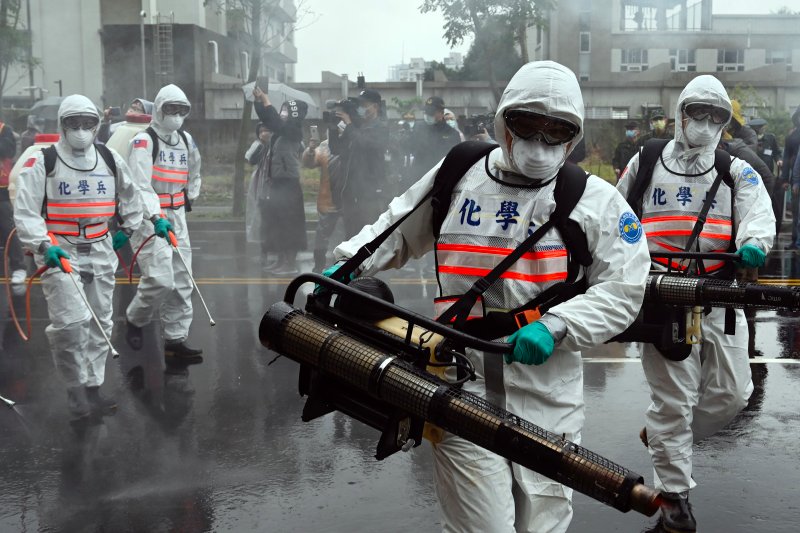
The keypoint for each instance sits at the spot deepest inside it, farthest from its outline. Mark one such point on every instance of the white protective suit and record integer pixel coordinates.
(164, 283)
(697, 397)
(79, 200)
(478, 490)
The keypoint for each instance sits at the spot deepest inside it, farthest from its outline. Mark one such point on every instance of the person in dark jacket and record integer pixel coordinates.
(738, 129)
(790, 149)
(434, 139)
(8, 149)
(361, 143)
(626, 149)
(283, 218)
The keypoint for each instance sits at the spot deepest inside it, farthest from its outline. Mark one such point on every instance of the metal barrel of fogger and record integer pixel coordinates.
(305, 339)
(690, 291)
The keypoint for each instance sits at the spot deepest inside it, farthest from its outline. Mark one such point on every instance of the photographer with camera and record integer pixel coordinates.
(360, 138)
(434, 139)
(475, 128)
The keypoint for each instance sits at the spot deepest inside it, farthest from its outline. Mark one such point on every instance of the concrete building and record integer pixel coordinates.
(641, 53)
(418, 65)
(94, 47)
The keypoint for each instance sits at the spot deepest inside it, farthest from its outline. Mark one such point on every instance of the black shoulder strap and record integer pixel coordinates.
(457, 162)
(722, 163)
(185, 140)
(50, 157)
(108, 157)
(568, 191)
(460, 158)
(648, 156)
(154, 139)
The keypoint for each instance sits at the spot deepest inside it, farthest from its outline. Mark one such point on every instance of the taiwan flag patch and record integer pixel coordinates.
(30, 162)
(140, 143)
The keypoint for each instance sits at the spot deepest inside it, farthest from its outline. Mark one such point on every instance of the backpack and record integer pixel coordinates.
(570, 184)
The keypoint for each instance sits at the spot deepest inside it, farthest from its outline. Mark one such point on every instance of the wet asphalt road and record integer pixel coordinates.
(220, 446)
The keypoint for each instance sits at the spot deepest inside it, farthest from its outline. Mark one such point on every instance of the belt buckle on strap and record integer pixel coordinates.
(528, 316)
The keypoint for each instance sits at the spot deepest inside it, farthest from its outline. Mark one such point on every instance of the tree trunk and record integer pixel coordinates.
(522, 39)
(245, 127)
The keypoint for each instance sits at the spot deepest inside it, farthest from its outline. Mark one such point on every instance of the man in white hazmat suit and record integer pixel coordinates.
(539, 121)
(73, 202)
(166, 165)
(698, 396)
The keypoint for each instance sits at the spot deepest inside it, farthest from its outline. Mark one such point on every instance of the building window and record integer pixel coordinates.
(633, 60)
(779, 56)
(585, 42)
(682, 60)
(730, 60)
(619, 112)
(637, 17)
(585, 20)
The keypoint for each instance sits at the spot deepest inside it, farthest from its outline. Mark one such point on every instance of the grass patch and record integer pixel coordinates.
(217, 189)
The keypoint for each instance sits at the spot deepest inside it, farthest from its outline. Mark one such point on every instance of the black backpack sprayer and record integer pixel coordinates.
(372, 360)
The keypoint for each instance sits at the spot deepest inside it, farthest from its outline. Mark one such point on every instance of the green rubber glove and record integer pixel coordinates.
(751, 256)
(533, 345)
(328, 273)
(53, 255)
(162, 227)
(119, 240)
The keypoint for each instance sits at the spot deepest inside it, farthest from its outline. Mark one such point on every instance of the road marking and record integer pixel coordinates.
(638, 361)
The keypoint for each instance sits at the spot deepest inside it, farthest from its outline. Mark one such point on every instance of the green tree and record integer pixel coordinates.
(477, 18)
(494, 46)
(14, 41)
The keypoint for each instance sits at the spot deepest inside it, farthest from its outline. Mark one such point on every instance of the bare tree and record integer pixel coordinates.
(253, 19)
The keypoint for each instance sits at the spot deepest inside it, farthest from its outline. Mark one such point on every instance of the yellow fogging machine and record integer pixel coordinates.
(372, 360)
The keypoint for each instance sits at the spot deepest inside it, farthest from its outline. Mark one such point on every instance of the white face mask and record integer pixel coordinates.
(430, 120)
(537, 160)
(172, 122)
(452, 124)
(701, 132)
(80, 139)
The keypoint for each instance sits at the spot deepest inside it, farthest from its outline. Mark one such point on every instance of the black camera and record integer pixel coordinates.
(477, 124)
(348, 105)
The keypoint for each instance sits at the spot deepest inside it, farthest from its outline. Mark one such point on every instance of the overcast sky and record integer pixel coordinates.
(347, 36)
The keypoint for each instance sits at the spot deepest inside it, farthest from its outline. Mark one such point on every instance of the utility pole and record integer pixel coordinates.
(30, 51)
(144, 63)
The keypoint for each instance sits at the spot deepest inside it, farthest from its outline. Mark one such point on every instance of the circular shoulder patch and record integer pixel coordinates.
(630, 229)
(750, 176)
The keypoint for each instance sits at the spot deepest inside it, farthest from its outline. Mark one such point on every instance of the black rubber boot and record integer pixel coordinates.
(178, 351)
(676, 513)
(320, 262)
(133, 334)
(77, 403)
(99, 404)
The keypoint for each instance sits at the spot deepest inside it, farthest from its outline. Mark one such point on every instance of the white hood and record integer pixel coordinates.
(75, 104)
(704, 89)
(544, 87)
(169, 94)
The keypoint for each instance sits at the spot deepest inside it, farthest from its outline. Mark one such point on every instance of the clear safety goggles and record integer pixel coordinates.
(699, 111)
(175, 109)
(550, 130)
(79, 122)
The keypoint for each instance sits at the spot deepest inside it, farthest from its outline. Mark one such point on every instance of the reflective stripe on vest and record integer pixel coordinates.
(671, 226)
(708, 265)
(87, 197)
(172, 201)
(74, 229)
(469, 260)
(171, 168)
